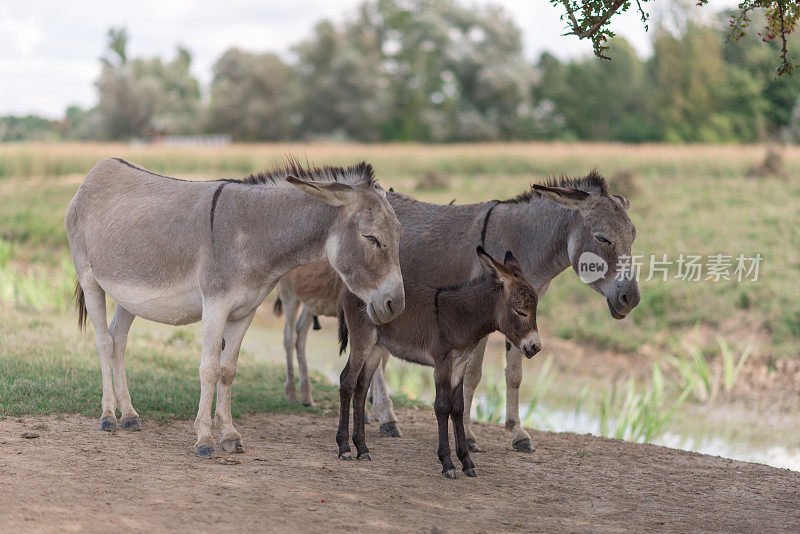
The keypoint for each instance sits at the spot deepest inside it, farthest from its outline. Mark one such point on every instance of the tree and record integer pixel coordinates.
(343, 86)
(139, 97)
(591, 19)
(700, 97)
(600, 100)
(252, 96)
(416, 70)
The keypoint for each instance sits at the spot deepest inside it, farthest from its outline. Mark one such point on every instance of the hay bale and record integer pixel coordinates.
(772, 166)
(432, 181)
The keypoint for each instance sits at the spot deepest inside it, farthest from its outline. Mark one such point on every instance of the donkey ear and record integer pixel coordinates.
(494, 268)
(623, 201)
(380, 190)
(512, 265)
(333, 193)
(573, 199)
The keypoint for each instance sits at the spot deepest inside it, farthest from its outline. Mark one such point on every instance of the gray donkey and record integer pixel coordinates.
(439, 328)
(177, 252)
(550, 227)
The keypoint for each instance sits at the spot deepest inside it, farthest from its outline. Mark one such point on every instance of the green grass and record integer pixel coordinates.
(638, 413)
(45, 370)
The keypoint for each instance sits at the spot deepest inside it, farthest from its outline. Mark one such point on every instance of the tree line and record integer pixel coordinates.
(437, 71)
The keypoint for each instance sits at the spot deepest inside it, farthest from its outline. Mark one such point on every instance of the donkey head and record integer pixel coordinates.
(363, 245)
(596, 247)
(516, 315)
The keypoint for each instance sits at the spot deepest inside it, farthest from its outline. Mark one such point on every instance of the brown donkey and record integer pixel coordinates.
(439, 328)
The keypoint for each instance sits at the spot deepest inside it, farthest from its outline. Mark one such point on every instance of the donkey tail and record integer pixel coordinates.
(80, 306)
(343, 334)
(277, 308)
(316, 323)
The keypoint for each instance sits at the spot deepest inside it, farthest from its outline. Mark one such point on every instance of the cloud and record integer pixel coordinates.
(21, 34)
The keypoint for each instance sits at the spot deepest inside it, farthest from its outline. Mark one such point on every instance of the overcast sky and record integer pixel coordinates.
(49, 49)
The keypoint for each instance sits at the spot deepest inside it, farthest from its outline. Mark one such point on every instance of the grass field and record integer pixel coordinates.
(684, 199)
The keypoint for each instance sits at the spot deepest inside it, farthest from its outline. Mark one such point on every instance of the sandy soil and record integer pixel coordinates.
(75, 478)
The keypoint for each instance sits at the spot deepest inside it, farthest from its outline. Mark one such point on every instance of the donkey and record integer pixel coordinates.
(439, 328)
(177, 252)
(316, 286)
(564, 219)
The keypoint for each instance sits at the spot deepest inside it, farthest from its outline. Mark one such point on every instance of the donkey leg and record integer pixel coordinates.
(441, 407)
(290, 307)
(346, 384)
(382, 406)
(462, 449)
(472, 377)
(95, 299)
(303, 326)
(215, 318)
(120, 326)
(359, 402)
(520, 440)
(231, 440)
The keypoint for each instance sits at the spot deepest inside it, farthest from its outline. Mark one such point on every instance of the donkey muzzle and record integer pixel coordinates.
(531, 345)
(388, 303)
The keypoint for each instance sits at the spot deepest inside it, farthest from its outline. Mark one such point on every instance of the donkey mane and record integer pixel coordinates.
(360, 174)
(593, 181)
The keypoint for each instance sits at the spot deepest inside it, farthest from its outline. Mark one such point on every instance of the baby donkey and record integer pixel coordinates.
(438, 328)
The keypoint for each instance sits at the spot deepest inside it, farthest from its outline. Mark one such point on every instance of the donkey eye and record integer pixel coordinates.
(602, 239)
(521, 314)
(374, 240)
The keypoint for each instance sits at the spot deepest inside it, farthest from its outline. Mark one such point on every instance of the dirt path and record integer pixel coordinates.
(74, 477)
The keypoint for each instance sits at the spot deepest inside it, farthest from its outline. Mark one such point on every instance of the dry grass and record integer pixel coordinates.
(401, 160)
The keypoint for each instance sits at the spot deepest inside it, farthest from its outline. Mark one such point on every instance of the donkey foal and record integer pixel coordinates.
(438, 328)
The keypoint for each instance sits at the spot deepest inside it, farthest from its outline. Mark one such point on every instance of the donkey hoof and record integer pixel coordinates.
(471, 472)
(365, 456)
(523, 445)
(391, 429)
(473, 447)
(449, 473)
(308, 404)
(131, 423)
(232, 445)
(345, 456)
(204, 451)
(108, 424)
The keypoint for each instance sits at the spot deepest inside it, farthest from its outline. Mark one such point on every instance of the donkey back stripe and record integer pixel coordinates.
(214, 206)
(486, 222)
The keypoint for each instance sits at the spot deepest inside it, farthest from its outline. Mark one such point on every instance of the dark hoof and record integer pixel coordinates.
(365, 456)
(345, 456)
(204, 451)
(391, 429)
(108, 425)
(131, 424)
(450, 473)
(473, 447)
(523, 445)
(308, 404)
(471, 472)
(233, 445)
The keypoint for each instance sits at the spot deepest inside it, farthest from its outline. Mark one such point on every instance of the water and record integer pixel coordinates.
(736, 439)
